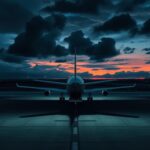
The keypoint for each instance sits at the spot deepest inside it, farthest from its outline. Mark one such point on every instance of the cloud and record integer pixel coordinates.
(39, 37)
(32, 5)
(120, 60)
(98, 66)
(148, 62)
(61, 60)
(85, 75)
(11, 58)
(6, 39)
(128, 50)
(24, 71)
(129, 5)
(147, 50)
(39, 40)
(13, 16)
(104, 49)
(111, 68)
(77, 6)
(77, 41)
(141, 74)
(146, 27)
(123, 22)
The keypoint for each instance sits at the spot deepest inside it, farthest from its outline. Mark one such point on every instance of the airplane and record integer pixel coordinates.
(75, 87)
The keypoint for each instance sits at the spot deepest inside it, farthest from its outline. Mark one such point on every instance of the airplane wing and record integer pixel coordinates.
(98, 82)
(108, 89)
(50, 82)
(42, 88)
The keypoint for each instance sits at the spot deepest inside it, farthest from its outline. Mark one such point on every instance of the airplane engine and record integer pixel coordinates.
(105, 93)
(47, 93)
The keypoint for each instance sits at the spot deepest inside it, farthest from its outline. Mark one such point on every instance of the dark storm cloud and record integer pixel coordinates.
(104, 49)
(39, 40)
(77, 6)
(32, 5)
(61, 60)
(128, 50)
(10, 67)
(147, 50)
(129, 5)
(39, 37)
(11, 58)
(123, 22)
(77, 41)
(13, 16)
(129, 74)
(6, 39)
(146, 27)
(148, 62)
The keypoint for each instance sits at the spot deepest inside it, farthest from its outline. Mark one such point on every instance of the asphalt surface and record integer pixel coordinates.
(28, 95)
(31, 121)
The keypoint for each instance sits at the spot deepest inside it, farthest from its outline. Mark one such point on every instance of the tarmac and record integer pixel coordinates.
(31, 121)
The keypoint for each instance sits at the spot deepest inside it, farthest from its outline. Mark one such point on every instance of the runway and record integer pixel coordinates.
(28, 95)
(28, 120)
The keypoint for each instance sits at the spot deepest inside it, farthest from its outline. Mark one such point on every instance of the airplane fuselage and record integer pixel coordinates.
(75, 87)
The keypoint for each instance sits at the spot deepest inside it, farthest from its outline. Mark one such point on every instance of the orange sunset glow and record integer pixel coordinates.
(133, 63)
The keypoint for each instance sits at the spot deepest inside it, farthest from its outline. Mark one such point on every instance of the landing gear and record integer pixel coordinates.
(62, 98)
(90, 98)
(75, 99)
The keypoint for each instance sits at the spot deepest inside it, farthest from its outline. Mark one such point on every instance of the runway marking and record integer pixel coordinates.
(74, 146)
(75, 120)
(75, 131)
(75, 136)
(75, 124)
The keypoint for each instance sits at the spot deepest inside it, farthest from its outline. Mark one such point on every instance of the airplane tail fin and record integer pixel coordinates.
(75, 63)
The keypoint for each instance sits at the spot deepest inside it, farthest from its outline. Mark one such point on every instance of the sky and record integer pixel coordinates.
(38, 38)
